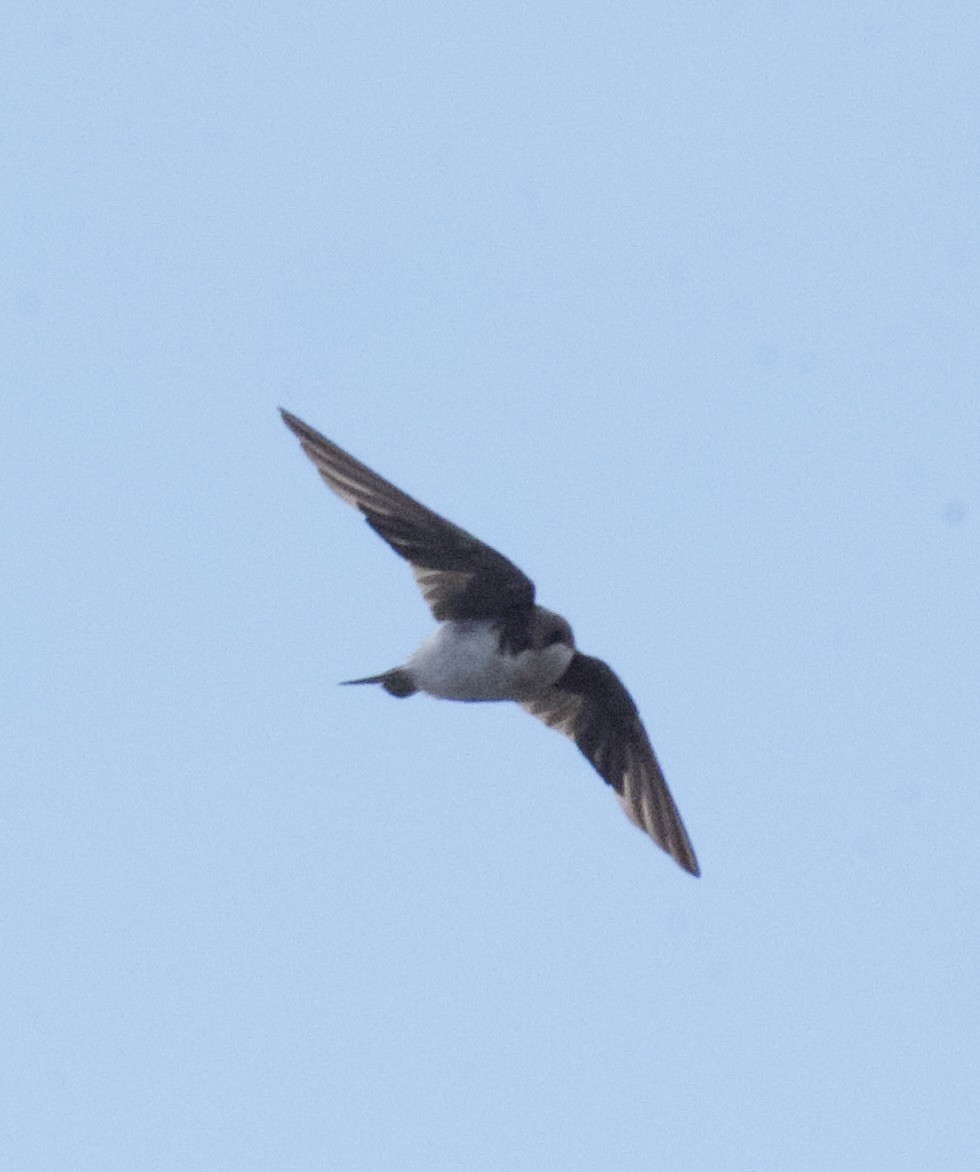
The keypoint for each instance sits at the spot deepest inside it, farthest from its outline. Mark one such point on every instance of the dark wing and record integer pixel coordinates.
(460, 577)
(590, 705)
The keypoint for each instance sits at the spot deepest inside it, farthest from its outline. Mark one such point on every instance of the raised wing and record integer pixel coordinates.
(590, 705)
(460, 577)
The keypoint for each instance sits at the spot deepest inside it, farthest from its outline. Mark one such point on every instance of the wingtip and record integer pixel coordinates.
(303, 432)
(683, 855)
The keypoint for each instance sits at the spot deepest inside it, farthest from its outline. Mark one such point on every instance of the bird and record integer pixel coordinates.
(494, 642)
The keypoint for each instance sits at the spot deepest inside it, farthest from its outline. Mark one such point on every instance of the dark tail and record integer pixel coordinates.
(397, 682)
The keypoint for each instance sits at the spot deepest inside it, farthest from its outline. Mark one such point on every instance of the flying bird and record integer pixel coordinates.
(494, 642)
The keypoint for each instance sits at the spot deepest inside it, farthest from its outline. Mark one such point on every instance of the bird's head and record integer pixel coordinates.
(549, 629)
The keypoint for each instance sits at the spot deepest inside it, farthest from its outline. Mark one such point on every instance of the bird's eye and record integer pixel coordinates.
(556, 636)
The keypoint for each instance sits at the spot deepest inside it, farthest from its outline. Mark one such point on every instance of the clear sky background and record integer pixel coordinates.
(675, 304)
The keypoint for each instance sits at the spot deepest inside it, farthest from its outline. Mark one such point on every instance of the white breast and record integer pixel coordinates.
(463, 661)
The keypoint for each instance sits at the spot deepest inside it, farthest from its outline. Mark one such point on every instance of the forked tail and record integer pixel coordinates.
(397, 682)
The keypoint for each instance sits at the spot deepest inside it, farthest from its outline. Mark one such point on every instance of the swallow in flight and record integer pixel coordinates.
(494, 642)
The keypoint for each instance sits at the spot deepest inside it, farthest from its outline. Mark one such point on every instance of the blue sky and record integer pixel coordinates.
(675, 305)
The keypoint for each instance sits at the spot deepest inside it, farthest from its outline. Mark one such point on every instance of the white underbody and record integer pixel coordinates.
(463, 661)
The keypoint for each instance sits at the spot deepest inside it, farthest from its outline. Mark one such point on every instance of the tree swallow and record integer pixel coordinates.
(494, 643)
